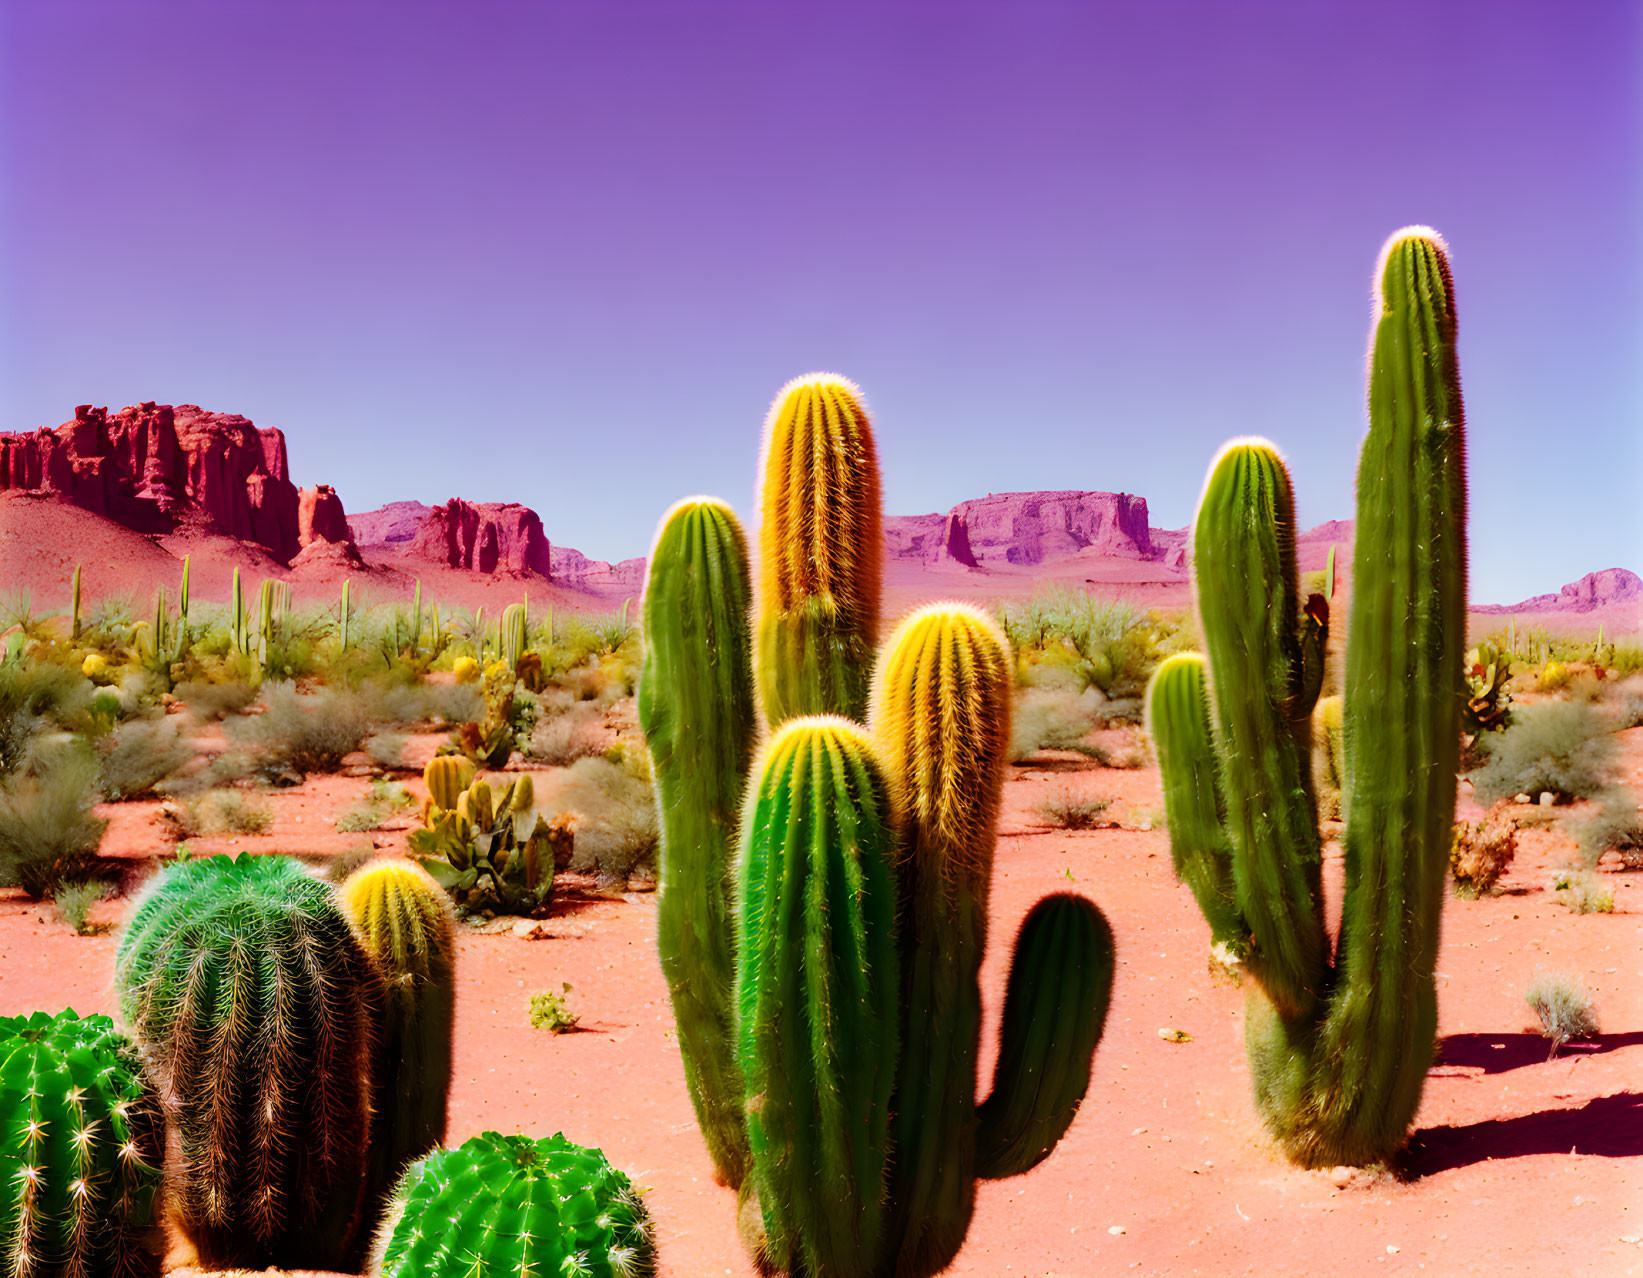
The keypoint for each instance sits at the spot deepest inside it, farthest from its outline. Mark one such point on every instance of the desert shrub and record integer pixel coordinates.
(1616, 826)
(614, 814)
(438, 704)
(74, 901)
(223, 812)
(36, 696)
(1070, 811)
(1623, 659)
(384, 799)
(576, 733)
(1554, 677)
(310, 733)
(1563, 1007)
(551, 1012)
(139, 754)
(48, 832)
(1627, 710)
(1558, 746)
(386, 749)
(1480, 854)
(1046, 719)
(207, 701)
(1582, 892)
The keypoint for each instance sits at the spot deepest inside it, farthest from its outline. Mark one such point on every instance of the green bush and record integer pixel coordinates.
(48, 833)
(139, 754)
(1558, 746)
(74, 901)
(551, 1012)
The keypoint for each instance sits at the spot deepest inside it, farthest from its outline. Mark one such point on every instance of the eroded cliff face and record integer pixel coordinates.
(156, 468)
(1025, 529)
(489, 537)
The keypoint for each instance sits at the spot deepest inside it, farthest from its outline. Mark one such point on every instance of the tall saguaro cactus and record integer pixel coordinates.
(1340, 1038)
(696, 709)
(257, 1010)
(821, 545)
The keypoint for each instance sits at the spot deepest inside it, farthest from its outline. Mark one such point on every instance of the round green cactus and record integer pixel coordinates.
(257, 1009)
(510, 1205)
(81, 1144)
(405, 921)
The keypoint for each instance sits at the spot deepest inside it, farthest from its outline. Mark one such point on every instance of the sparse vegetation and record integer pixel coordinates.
(48, 833)
(74, 901)
(1055, 719)
(224, 811)
(385, 799)
(139, 754)
(1067, 810)
(1562, 747)
(1616, 826)
(551, 1012)
(1582, 892)
(614, 811)
(574, 733)
(306, 733)
(1563, 1007)
(1482, 853)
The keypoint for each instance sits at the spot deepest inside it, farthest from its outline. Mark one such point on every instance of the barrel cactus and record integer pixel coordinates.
(510, 1205)
(696, 709)
(83, 1144)
(1340, 1037)
(257, 1009)
(821, 551)
(404, 920)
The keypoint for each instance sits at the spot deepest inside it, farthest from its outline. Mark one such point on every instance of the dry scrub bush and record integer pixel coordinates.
(311, 733)
(1559, 746)
(576, 733)
(1563, 1006)
(1069, 811)
(139, 754)
(221, 812)
(47, 831)
(1055, 719)
(615, 815)
(1582, 892)
(1480, 854)
(1616, 826)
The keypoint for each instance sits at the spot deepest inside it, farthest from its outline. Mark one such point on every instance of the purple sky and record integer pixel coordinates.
(564, 253)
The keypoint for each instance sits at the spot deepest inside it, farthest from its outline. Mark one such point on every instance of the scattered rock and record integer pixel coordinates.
(529, 930)
(1341, 1177)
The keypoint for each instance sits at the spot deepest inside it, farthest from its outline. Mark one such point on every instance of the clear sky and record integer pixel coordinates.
(564, 253)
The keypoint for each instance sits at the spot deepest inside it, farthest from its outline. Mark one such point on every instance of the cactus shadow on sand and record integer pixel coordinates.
(1604, 1128)
(1498, 1053)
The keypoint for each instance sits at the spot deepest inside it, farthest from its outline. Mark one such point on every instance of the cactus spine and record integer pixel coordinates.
(404, 921)
(816, 994)
(257, 1010)
(80, 1160)
(821, 540)
(696, 708)
(1339, 1042)
(941, 718)
(511, 1205)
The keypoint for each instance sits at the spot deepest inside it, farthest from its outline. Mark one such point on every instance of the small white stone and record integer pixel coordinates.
(1391, 1250)
(1115, 1229)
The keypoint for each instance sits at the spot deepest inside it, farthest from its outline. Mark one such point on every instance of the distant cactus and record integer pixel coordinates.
(81, 1154)
(511, 1205)
(817, 995)
(1339, 1036)
(821, 538)
(74, 623)
(696, 708)
(256, 1008)
(404, 920)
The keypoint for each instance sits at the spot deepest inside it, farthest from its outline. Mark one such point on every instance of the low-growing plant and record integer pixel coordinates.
(386, 749)
(206, 700)
(551, 1012)
(139, 754)
(1055, 719)
(1480, 854)
(1069, 811)
(491, 849)
(614, 807)
(1582, 892)
(1616, 826)
(48, 831)
(1558, 746)
(1563, 1007)
(384, 799)
(74, 901)
(575, 733)
(223, 811)
(311, 733)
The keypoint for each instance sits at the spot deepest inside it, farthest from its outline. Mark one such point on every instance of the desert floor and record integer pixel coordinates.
(1519, 1164)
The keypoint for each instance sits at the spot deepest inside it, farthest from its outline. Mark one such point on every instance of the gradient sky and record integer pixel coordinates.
(564, 253)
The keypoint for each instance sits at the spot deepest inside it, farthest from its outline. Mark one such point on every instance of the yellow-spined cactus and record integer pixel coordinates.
(446, 777)
(465, 669)
(821, 544)
(405, 922)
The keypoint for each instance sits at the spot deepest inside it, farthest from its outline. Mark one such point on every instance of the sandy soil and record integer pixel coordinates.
(1518, 1164)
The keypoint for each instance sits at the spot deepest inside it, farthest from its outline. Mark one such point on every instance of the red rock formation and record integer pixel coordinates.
(574, 569)
(1594, 590)
(484, 536)
(153, 467)
(1029, 528)
(320, 516)
(954, 547)
(394, 525)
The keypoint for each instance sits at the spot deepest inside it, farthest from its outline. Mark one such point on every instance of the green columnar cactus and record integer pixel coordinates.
(237, 617)
(74, 623)
(696, 709)
(510, 1205)
(816, 995)
(941, 719)
(257, 1010)
(345, 613)
(821, 545)
(1339, 1042)
(404, 921)
(512, 631)
(83, 1140)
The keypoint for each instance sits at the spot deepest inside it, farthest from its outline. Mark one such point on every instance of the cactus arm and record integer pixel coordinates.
(695, 703)
(821, 545)
(1178, 720)
(1404, 690)
(817, 993)
(1055, 1008)
(1244, 571)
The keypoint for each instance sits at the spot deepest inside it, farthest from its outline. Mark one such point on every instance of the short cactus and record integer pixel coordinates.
(821, 549)
(447, 776)
(817, 994)
(1339, 1036)
(404, 920)
(696, 708)
(257, 1009)
(511, 1205)
(83, 1144)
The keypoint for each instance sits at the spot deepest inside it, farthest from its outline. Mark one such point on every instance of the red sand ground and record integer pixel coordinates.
(1519, 1164)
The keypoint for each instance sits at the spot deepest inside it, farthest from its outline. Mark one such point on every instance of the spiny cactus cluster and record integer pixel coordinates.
(490, 844)
(258, 1010)
(511, 1205)
(1340, 1037)
(81, 1151)
(863, 860)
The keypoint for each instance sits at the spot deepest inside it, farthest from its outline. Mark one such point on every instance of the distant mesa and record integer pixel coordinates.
(1025, 529)
(1593, 591)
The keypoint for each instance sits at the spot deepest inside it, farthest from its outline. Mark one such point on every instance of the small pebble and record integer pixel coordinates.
(1115, 1229)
